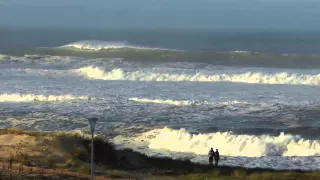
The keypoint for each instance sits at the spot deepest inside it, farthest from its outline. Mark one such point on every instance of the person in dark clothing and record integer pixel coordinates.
(216, 157)
(211, 155)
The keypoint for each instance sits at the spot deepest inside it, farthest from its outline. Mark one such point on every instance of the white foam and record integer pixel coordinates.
(161, 101)
(41, 98)
(96, 45)
(248, 77)
(185, 102)
(3, 56)
(228, 143)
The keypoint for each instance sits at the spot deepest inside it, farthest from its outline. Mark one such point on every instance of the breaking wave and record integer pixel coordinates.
(229, 144)
(183, 103)
(247, 77)
(96, 45)
(40, 98)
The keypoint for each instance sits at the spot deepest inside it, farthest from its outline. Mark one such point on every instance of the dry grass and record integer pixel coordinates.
(49, 162)
(84, 169)
(22, 158)
(242, 174)
(239, 173)
(16, 131)
(33, 173)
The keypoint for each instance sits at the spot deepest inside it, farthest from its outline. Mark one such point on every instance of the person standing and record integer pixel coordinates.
(216, 158)
(211, 155)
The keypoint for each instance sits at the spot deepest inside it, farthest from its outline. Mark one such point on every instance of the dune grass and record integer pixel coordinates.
(16, 131)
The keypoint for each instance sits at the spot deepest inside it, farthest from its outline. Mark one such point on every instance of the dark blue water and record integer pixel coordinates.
(280, 42)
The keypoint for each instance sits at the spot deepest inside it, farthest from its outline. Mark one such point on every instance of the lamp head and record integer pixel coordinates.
(92, 122)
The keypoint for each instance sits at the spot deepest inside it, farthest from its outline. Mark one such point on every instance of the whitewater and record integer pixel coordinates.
(230, 144)
(247, 77)
(233, 148)
(183, 103)
(96, 45)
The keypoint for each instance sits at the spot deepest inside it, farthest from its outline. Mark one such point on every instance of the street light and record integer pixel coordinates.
(92, 122)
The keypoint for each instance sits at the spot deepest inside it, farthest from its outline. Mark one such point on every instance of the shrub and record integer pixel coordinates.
(85, 169)
(114, 174)
(80, 153)
(215, 173)
(239, 173)
(69, 162)
(22, 158)
(49, 161)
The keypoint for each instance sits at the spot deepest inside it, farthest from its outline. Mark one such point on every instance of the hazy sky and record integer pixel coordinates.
(267, 14)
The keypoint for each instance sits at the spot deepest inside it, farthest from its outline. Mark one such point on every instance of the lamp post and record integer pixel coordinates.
(92, 122)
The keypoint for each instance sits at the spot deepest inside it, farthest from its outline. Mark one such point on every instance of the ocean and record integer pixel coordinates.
(252, 94)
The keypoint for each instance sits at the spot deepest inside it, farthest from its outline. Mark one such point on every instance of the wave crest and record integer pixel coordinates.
(41, 98)
(95, 45)
(183, 102)
(229, 144)
(247, 77)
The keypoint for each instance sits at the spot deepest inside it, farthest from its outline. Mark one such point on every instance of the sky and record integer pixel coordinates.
(201, 14)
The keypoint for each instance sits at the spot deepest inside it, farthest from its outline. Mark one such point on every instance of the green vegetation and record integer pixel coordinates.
(69, 163)
(115, 174)
(49, 162)
(242, 174)
(84, 169)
